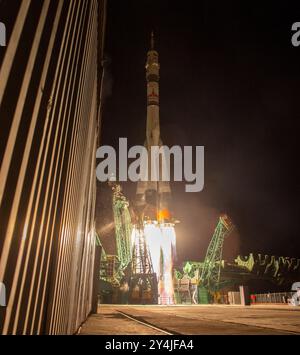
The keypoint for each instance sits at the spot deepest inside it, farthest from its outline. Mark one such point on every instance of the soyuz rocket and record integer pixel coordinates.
(153, 197)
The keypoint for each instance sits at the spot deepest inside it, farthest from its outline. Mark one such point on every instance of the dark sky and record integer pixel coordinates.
(230, 81)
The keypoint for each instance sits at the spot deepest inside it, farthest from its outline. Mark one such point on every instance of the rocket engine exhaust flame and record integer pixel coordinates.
(161, 243)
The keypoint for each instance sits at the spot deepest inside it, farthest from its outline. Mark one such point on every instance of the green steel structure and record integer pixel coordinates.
(280, 270)
(123, 226)
(143, 286)
(210, 275)
(201, 282)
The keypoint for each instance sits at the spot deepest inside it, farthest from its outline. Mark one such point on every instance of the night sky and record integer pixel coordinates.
(230, 82)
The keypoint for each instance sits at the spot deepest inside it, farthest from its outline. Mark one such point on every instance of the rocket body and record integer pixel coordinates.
(154, 196)
(152, 76)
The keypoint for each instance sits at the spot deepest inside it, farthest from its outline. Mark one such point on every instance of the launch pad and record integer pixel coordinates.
(193, 320)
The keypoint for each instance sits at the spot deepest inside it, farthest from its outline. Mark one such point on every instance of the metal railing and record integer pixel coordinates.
(271, 298)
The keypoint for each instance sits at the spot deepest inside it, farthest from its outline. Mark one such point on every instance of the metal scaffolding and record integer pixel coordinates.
(143, 280)
(210, 275)
(123, 226)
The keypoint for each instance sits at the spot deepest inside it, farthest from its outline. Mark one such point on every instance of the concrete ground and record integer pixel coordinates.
(109, 322)
(194, 320)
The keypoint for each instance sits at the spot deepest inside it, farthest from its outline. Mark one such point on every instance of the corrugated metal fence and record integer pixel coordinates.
(50, 77)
